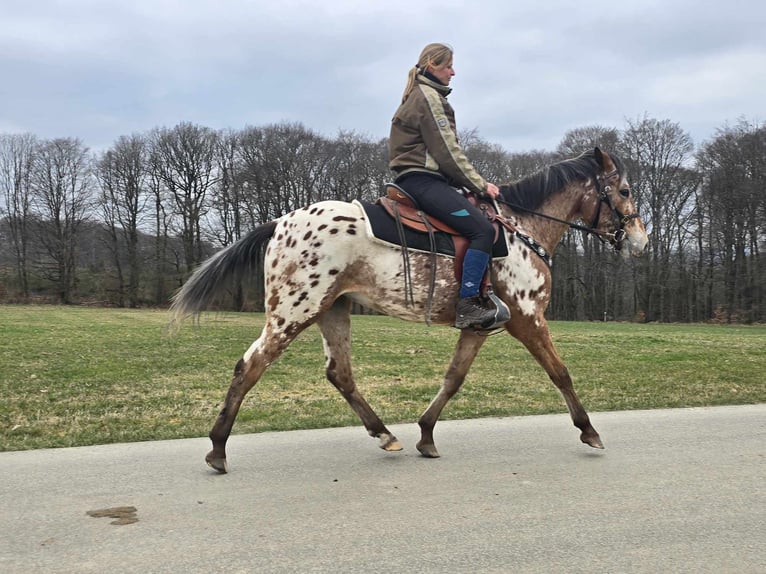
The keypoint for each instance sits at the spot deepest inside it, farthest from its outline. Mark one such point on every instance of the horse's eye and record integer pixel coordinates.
(625, 192)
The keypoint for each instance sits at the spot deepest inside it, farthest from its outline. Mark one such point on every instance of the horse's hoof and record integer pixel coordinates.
(428, 450)
(217, 463)
(389, 442)
(592, 440)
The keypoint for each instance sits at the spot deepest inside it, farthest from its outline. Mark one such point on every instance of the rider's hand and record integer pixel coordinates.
(492, 190)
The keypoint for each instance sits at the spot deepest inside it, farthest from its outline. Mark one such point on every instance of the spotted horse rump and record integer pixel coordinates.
(319, 259)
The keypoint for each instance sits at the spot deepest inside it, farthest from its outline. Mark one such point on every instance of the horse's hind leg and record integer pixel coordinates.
(537, 339)
(248, 371)
(335, 325)
(468, 346)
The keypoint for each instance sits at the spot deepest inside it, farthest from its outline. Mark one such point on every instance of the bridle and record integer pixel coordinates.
(615, 239)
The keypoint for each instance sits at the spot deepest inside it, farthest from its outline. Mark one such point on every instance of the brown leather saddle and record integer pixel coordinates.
(403, 208)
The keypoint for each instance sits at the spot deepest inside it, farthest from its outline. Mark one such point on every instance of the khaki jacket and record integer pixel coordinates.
(424, 138)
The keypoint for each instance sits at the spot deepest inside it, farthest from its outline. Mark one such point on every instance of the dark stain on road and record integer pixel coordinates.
(122, 514)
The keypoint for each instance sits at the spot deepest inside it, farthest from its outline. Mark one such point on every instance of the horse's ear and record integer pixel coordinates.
(603, 160)
(599, 157)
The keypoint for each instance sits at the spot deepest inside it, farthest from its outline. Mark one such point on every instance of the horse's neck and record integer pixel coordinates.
(564, 205)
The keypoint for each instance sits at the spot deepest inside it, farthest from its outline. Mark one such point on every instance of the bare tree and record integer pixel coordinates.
(122, 174)
(579, 140)
(227, 193)
(16, 156)
(490, 160)
(185, 163)
(733, 183)
(659, 152)
(523, 164)
(259, 186)
(62, 193)
(356, 168)
(226, 198)
(283, 165)
(161, 218)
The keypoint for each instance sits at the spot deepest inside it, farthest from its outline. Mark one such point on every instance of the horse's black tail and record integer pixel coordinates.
(219, 272)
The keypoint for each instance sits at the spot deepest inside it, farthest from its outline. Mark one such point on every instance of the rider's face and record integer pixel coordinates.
(442, 73)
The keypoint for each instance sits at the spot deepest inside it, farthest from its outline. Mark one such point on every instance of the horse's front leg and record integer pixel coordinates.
(468, 346)
(536, 337)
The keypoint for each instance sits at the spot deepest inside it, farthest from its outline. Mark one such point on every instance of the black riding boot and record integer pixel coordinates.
(473, 312)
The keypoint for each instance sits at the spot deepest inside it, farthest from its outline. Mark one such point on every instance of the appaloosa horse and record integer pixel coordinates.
(320, 258)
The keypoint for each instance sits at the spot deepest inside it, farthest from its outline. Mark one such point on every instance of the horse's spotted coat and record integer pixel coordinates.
(374, 273)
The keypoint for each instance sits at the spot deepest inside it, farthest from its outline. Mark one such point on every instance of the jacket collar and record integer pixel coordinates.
(429, 80)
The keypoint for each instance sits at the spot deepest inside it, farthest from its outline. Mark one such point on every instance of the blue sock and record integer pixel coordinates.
(474, 265)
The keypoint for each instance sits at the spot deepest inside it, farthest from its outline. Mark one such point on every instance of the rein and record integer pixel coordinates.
(516, 207)
(615, 238)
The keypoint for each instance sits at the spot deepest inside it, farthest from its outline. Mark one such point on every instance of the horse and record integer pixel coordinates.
(320, 258)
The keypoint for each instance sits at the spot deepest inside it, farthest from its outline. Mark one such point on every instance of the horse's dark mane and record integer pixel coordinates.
(531, 191)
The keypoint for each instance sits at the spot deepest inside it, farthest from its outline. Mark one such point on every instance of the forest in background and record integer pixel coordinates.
(126, 226)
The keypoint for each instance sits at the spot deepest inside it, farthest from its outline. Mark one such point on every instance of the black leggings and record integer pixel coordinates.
(439, 199)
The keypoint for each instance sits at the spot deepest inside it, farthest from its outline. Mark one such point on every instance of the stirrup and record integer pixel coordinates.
(490, 318)
(502, 312)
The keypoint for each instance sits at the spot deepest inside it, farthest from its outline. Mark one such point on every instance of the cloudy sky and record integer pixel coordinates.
(526, 72)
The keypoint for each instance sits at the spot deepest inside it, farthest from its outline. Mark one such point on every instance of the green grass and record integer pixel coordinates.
(73, 376)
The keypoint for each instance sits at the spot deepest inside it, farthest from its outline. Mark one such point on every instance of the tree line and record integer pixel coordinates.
(125, 226)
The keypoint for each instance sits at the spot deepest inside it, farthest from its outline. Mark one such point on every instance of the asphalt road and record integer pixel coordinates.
(675, 491)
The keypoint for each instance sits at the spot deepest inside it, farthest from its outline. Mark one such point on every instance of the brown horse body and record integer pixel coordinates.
(319, 259)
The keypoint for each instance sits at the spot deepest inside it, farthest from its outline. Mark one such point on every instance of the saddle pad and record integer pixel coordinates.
(383, 227)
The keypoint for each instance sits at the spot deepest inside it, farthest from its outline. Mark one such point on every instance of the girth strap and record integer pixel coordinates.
(432, 283)
(409, 298)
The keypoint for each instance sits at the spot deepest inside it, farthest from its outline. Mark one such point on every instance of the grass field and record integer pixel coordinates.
(74, 376)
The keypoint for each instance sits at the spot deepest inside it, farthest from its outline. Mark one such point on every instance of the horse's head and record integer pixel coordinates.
(614, 214)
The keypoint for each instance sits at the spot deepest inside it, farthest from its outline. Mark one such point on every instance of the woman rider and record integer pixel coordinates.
(429, 163)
